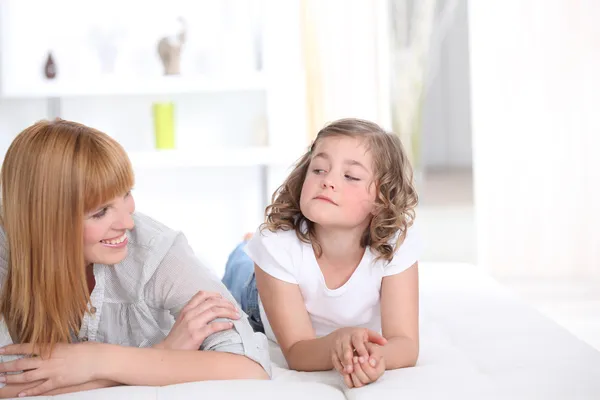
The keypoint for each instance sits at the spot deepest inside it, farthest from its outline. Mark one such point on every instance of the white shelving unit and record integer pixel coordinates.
(241, 157)
(238, 128)
(134, 86)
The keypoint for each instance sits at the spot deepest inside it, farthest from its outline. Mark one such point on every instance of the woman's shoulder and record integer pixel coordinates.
(149, 242)
(147, 230)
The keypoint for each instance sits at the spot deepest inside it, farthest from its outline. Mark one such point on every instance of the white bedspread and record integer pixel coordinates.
(478, 341)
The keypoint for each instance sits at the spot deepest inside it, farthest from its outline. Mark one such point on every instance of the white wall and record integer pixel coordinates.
(213, 206)
(446, 140)
(535, 90)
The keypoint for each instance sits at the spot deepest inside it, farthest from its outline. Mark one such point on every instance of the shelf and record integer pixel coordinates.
(119, 86)
(220, 157)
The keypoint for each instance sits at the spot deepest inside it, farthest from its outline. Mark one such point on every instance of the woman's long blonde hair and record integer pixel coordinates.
(396, 196)
(54, 172)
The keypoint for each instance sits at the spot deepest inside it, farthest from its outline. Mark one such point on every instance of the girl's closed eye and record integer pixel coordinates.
(351, 178)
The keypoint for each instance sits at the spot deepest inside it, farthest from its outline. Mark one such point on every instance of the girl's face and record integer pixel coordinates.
(105, 229)
(338, 191)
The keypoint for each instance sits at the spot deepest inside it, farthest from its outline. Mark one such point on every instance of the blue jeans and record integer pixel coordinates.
(239, 279)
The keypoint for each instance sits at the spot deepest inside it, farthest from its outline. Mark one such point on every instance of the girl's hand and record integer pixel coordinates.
(194, 323)
(349, 343)
(67, 365)
(368, 370)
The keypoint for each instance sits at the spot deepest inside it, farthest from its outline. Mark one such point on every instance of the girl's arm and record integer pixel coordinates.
(400, 318)
(291, 324)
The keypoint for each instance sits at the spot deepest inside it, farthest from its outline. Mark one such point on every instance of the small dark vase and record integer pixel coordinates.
(50, 67)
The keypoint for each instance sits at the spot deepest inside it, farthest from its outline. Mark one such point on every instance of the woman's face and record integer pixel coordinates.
(105, 231)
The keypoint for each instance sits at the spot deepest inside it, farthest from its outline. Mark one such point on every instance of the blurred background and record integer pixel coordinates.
(215, 100)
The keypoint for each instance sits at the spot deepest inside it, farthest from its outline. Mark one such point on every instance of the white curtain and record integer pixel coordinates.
(346, 60)
(535, 95)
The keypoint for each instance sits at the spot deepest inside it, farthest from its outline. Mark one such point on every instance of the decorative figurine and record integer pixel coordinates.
(169, 50)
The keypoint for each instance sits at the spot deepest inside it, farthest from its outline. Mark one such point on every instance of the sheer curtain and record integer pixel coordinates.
(342, 60)
(535, 94)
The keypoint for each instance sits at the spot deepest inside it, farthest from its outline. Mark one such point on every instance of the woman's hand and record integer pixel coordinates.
(352, 342)
(368, 370)
(67, 365)
(194, 323)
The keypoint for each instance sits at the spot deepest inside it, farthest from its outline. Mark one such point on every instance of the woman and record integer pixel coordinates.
(103, 295)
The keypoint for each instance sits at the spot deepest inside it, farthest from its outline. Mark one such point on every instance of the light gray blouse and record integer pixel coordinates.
(136, 302)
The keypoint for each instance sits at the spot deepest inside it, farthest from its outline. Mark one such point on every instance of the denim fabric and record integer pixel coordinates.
(239, 279)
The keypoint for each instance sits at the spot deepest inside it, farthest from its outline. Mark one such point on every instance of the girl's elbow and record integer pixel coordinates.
(415, 358)
(412, 362)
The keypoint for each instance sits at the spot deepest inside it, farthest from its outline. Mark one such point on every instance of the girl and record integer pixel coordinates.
(90, 285)
(335, 263)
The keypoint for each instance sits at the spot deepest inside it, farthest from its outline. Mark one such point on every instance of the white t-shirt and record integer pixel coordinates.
(356, 303)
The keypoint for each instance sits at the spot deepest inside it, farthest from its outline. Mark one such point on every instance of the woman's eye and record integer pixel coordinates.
(100, 213)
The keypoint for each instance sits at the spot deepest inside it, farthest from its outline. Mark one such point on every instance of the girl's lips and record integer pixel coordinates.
(325, 198)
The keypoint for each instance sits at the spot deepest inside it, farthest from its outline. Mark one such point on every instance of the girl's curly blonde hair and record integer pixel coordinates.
(395, 200)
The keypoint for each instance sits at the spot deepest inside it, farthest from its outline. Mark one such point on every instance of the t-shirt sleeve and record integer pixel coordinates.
(407, 254)
(273, 253)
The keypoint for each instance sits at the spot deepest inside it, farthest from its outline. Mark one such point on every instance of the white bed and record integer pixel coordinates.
(478, 341)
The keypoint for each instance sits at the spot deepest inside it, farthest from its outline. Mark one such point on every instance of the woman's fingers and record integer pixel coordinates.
(214, 327)
(40, 389)
(212, 314)
(24, 377)
(199, 298)
(22, 364)
(17, 349)
(211, 309)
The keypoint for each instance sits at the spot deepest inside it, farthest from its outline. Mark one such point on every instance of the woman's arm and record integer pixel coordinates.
(134, 366)
(400, 318)
(75, 367)
(13, 390)
(157, 367)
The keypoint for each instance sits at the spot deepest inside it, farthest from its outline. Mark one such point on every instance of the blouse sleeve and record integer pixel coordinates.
(179, 276)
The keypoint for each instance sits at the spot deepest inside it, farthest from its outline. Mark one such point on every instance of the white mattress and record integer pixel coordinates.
(478, 341)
